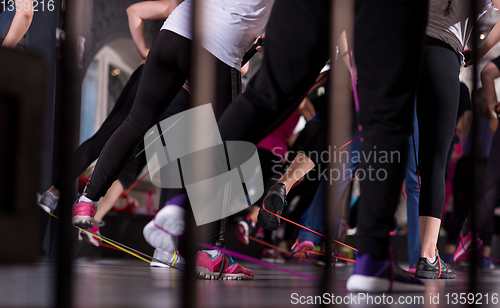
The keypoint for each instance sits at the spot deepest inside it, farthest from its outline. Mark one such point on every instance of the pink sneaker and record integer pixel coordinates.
(83, 213)
(300, 250)
(208, 267)
(465, 248)
(243, 229)
(89, 238)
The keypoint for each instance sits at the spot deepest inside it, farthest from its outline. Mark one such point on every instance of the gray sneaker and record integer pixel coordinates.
(48, 202)
(173, 259)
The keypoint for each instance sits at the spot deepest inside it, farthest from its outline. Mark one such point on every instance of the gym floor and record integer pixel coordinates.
(132, 283)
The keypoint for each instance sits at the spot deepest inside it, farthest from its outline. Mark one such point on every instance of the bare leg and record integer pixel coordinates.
(450, 249)
(106, 203)
(54, 191)
(254, 212)
(429, 232)
(488, 75)
(300, 166)
(485, 251)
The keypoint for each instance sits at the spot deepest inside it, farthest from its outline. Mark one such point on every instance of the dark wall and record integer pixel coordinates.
(108, 21)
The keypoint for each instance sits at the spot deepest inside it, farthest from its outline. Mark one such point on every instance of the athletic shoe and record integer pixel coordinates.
(435, 270)
(372, 275)
(271, 255)
(163, 231)
(48, 202)
(301, 248)
(244, 228)
(168, 259)
(273, 202)
(83, 213)
(465, 248)
(89, 238)
(208, 267)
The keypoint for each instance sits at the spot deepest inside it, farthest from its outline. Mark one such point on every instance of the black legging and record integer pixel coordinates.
(437, 107)
(387, 78)
(166, 69)
(89, 151)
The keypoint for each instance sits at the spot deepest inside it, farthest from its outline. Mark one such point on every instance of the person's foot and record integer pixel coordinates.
(48, 202)
(163, 231)
(89, 238)
(301, 248)
(465, 248)
(244, 228)
(209, 263)
(271, 255)
(434, 270)
(274, 202)
(168, 259)
(372, 275)
(84, 212)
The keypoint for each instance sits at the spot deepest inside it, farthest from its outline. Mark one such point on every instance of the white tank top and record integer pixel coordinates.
(230, 27)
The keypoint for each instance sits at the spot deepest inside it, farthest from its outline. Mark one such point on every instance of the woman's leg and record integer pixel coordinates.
(89, 151)
(165, 72)
(437, 107)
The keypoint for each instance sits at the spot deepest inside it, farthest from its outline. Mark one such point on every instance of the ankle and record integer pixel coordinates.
(54, 191)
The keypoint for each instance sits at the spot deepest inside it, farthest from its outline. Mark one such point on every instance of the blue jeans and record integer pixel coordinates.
(314, 217)
(413, 196)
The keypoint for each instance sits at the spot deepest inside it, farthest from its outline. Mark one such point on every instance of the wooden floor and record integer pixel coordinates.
(132, 283)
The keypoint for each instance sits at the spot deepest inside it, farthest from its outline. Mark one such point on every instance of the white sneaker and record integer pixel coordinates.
(163, 230)
(173, 259)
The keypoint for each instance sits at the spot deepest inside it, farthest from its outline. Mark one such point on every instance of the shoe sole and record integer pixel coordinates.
(267, 220)
(433, 275)
(242, 233)
(87, 238)
(85, 222)
(158, 264)
(171, 219)
(45, 208)
(360, 283)
(206, 274)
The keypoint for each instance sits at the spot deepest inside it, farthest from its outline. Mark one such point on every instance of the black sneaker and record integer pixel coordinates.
(436, 270)
(274, 202)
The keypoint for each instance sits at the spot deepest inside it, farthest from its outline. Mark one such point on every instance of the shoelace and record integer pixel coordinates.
(439, 260)
(223, 265)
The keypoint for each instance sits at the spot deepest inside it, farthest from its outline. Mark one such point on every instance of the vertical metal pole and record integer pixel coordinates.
(474, 40)
(67, 129)
(203, 92)
(339, 126)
